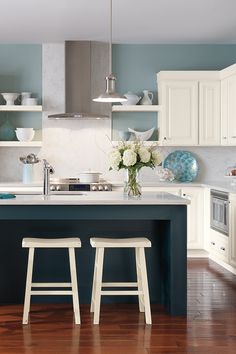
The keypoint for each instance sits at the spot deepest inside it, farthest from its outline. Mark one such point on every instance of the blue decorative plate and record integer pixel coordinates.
(183, 164)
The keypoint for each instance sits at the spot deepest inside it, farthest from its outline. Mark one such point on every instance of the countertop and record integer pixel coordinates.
(97, 198)
(36, 188)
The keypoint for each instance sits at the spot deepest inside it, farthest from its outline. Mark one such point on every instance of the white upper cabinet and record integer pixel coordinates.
(191, 107)
(179, 125)
(209, 113)
(228, 110)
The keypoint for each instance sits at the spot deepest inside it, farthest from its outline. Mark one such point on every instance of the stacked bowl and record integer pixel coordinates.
(25, 134)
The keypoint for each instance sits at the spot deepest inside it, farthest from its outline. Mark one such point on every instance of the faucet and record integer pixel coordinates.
(47, 170)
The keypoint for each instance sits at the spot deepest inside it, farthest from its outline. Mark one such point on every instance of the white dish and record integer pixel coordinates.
(25, 134)
(24, 96)
(143, 136)
(132, 99)
(10, 97)
(30, 101)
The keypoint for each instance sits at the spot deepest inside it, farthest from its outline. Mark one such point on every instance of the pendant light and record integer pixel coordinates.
(110, 95)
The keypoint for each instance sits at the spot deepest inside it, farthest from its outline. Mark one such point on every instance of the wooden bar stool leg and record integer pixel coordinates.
(74, 285)
(28, 286)
(98, 286)
(140, 297)
(94, 281)
(145, 285)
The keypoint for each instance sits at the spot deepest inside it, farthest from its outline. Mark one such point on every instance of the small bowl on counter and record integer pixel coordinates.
(25, 134)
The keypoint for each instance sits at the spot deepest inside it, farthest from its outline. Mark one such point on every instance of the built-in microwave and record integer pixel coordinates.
(220, 211)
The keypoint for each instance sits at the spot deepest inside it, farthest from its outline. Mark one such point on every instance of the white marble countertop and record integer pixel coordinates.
(97, 198)
(36, 188)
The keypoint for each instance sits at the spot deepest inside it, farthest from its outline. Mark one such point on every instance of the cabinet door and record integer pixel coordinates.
(209, 113)
(195, 217)
(232, 110)
(228, 112)
(224, 112)
(179, 121)
(232, 232)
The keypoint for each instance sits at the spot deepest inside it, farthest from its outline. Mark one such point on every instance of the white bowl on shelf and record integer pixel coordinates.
(10, 97)
(143, 136)
(25, 134)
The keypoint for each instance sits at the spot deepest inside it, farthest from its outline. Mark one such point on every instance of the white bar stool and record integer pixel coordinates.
(71, 244)
(142, 283)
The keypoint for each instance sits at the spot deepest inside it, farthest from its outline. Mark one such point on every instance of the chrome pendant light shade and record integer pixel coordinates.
(110, 95)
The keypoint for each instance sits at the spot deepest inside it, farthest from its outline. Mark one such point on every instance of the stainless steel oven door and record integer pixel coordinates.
(220, 212)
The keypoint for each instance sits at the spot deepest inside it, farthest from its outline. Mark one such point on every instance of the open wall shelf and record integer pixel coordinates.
(18, 108)
(136, 108)
(21, 143)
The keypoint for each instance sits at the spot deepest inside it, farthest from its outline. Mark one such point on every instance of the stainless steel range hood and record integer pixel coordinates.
(86, 66)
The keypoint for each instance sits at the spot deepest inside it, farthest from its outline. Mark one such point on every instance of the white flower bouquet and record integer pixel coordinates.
(132, 156)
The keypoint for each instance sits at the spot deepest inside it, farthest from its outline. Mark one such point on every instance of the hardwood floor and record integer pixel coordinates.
(209, 328)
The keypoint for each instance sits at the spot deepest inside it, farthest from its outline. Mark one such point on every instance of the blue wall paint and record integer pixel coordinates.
(136, 66)
(21, 70)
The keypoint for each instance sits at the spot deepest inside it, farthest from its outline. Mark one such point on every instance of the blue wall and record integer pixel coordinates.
(21, 70)
(136, 66)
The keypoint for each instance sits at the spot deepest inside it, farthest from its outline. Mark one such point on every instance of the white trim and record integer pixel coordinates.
(200, 253)
(222, 264)
(189, 75)
(230, 70)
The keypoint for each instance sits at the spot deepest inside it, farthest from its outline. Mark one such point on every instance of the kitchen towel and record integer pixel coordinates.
(6, 196)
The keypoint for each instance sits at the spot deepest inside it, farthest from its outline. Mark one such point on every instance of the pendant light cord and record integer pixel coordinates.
(110, 43)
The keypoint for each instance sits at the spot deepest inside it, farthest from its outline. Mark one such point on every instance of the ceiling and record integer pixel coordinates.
(134, 21)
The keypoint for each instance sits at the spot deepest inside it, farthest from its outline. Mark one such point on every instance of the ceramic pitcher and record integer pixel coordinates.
(147, 98)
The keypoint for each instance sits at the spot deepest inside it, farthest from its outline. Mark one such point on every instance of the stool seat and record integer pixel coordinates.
(98, 242)
(51, 243)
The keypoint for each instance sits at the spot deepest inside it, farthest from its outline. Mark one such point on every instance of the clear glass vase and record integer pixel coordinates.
(132, 187)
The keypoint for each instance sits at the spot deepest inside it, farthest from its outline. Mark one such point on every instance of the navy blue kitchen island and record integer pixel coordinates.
(162, 218)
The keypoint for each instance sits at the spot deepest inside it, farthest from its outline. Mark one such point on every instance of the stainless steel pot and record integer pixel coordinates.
(89, 177)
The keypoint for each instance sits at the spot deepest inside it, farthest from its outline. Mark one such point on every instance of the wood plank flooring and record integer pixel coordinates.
(209, 328)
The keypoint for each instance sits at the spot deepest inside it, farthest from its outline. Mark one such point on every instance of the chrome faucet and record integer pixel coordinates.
(47, 171)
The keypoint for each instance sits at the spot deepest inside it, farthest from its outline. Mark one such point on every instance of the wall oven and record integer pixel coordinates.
(220, 211)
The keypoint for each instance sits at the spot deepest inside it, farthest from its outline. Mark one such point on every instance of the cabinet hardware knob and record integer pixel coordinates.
(224, 137)
(213, 243)
(222, 248)
(165, 138)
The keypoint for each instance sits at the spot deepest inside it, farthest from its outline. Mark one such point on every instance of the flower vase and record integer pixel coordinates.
(132, 187)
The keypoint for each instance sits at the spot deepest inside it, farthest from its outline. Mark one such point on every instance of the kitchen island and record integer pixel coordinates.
(162, 217)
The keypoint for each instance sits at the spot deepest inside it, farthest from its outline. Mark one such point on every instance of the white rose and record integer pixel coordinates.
(115, 159)
(129, 158)
(144, 154)
(156, 157)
